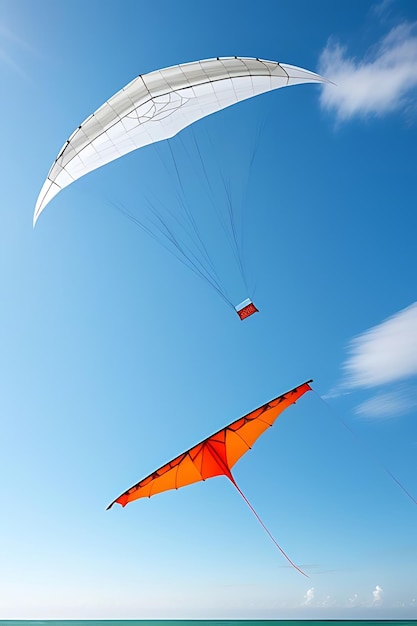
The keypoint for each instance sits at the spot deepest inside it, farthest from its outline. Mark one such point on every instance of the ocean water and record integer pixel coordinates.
(208, 622)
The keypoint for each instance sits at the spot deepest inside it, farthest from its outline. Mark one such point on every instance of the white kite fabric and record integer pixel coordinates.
(157, 106)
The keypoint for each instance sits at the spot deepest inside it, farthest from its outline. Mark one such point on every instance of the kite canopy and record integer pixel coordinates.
(157, 106)
(216, 455)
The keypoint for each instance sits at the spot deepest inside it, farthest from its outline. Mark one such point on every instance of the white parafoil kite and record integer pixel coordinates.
(156, 106)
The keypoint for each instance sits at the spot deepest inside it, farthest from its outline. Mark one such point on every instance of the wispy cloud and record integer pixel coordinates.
(380, 83)
(385, 405)
(10, 46)
(385, 353)
(8, 34)
(383, 8)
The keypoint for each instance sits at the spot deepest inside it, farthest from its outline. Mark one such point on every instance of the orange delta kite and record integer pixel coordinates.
(216, 455)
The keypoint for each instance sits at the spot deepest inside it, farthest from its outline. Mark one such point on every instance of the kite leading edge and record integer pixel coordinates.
(216, 455)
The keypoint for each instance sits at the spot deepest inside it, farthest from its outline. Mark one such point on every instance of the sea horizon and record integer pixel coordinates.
(214, 622)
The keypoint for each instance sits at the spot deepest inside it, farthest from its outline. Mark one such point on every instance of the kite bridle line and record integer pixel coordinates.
(367, 450)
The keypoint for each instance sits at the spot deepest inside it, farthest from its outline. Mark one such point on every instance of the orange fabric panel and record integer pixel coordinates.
(243, 433)
(187, 473)
(214, 463)
(242, 440)
(216, 455)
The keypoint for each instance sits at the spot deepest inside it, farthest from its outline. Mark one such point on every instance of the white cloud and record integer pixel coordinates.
(309, 597)
(385, 353)
(353, 601)
(377, 595)
(388, 404)
(380, 83)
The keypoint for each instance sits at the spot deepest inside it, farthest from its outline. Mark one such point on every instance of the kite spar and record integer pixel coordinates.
(216, 455)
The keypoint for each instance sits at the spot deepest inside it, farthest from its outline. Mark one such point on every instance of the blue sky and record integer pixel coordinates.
(115, 357)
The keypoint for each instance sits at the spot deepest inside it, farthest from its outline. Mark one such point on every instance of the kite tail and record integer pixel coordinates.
(265, 528)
